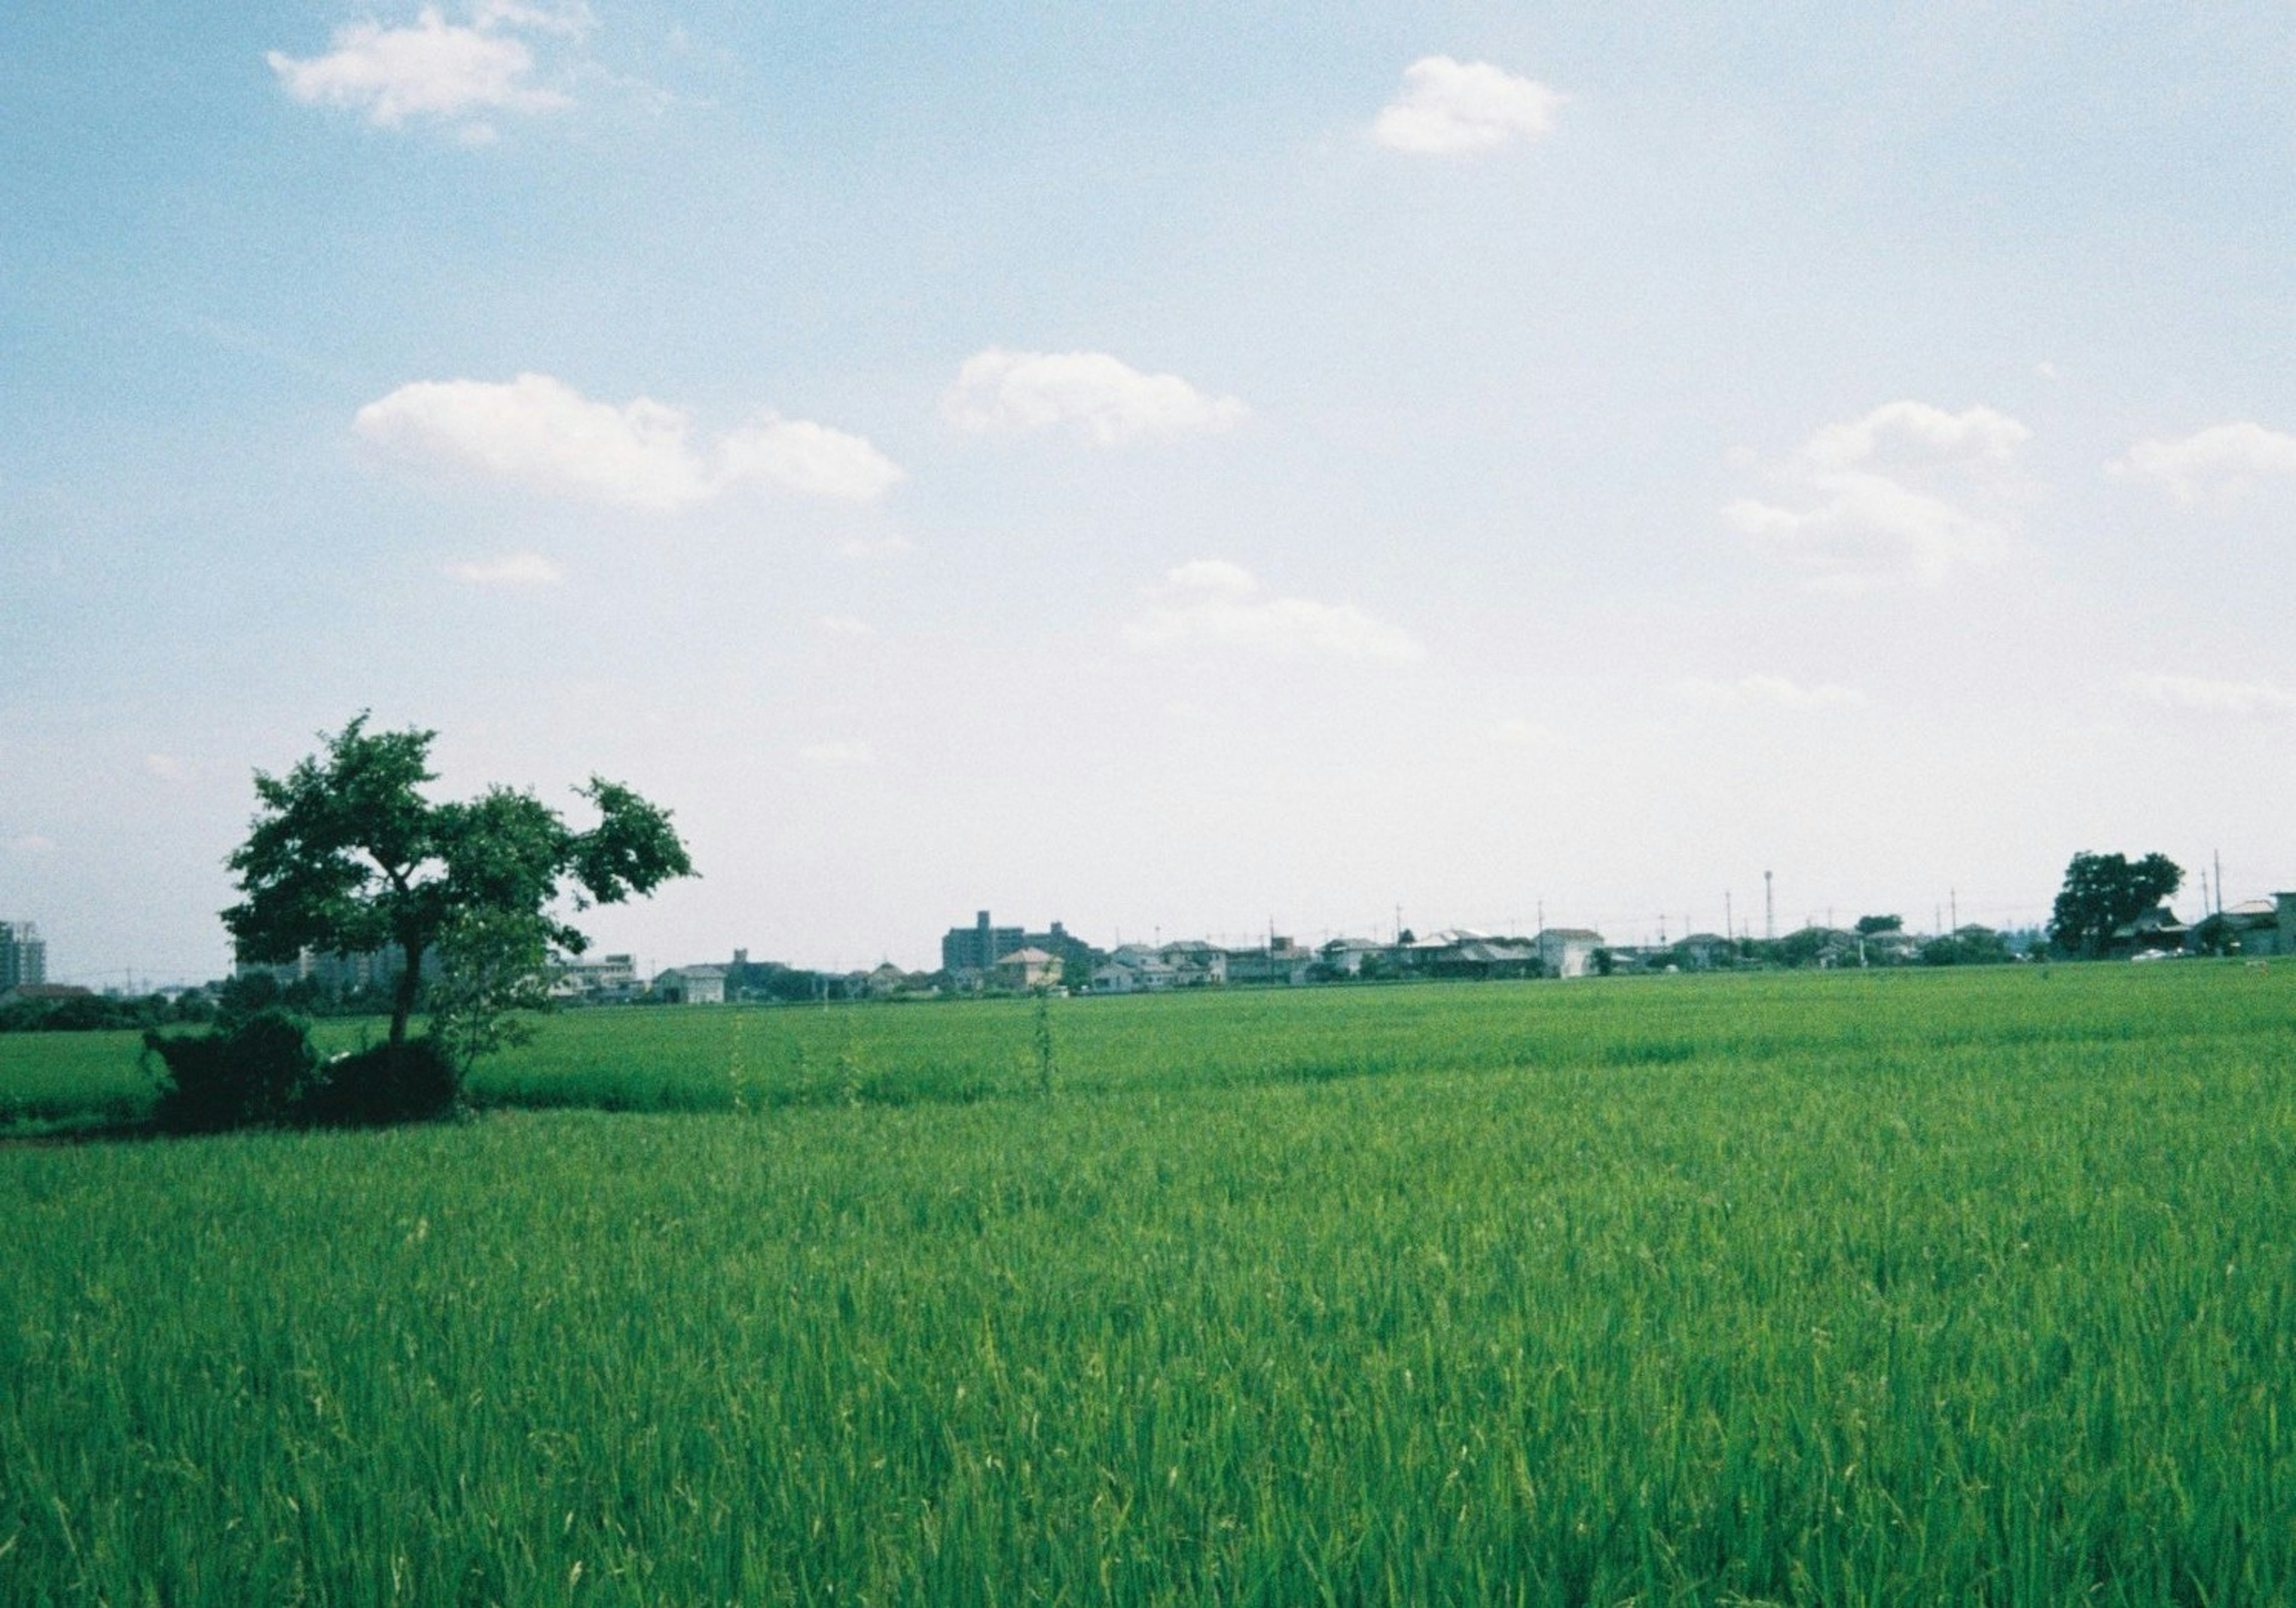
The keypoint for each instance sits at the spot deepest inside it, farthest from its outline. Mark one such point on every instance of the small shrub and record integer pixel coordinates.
(416, 1081)
(260, 1071)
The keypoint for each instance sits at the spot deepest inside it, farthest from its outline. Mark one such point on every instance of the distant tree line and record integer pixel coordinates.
(103, 1013)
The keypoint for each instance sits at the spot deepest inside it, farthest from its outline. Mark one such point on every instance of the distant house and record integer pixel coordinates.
(1135, 974)
(1891, 948)
(889, 981)
(1283, 961)
(1568, 951)
(2157, 931)
(1195, 964)
(1704, 951)
(691, 985)
(1348, 957)
(2254, 927)
(1463, 952)
(1029, 968)
(613, 977)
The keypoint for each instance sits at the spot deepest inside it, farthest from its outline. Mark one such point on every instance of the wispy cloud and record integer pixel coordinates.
(2221, 458)
(1909, 492)
(433, 68)
(1767, 692)
(541, 432)
(2203, 695)
(846, 625)
(1210, 602)
(1451, 108)
(32, 843)
(517, 570)
(1090, 394)
(167, 768)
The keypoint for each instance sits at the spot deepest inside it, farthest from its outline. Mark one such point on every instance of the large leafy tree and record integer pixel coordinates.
(347, 856)
(2103, 891)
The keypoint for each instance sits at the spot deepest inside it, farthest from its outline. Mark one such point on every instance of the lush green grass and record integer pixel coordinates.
(1908, 1290)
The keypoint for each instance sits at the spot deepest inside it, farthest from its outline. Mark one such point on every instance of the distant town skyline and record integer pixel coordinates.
(1165, 470)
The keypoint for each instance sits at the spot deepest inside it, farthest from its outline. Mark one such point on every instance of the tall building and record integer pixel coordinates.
(23, 955)
(979, 946)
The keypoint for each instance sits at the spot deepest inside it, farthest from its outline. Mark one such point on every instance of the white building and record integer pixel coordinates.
(608, 977)
(1568, 951)
(691, 985)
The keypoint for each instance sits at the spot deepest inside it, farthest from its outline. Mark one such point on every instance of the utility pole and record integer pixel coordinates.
(2218, 854)
(1954, 895)
(1770, 909)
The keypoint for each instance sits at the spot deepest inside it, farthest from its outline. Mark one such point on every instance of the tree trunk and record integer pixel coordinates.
(410, 984)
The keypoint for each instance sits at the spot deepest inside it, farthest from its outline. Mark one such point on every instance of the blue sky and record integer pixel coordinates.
(1169, 468)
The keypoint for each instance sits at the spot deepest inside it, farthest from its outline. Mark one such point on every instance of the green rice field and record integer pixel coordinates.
(1961, 1287)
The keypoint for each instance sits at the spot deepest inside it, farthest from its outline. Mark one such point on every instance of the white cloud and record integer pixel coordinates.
(573, 21)
(2223, 458)
(1916, 432)
(515, 570)
(1212, 602)
(1448, 108)
(542, 432)
(1519, 731)
(1907, 492)
(2205, 696)
(1763, 691)
(1096, 396)
(837, 756)
(167, 768)
(33, 843)
(809, 459)
(433, 68)
(846, 625)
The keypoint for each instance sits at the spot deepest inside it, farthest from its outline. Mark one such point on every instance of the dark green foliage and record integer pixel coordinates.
(2103, 891)
(103, 1013)
(1971, 946)
(415, 1081)
(1868, 925)
(262, 1072)
(259, 1070)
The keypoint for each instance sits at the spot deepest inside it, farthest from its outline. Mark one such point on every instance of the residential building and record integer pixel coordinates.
(23, 955)
(1195, 964)
(1027, 968)
(1283, 963)
(691, 985)
(1134, 969)
(889, 981)
(336, 976)
(609, 977)
(1568, 951)
(980, 946)
(1350, 956)
(2157, 931)
(2254, 927)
